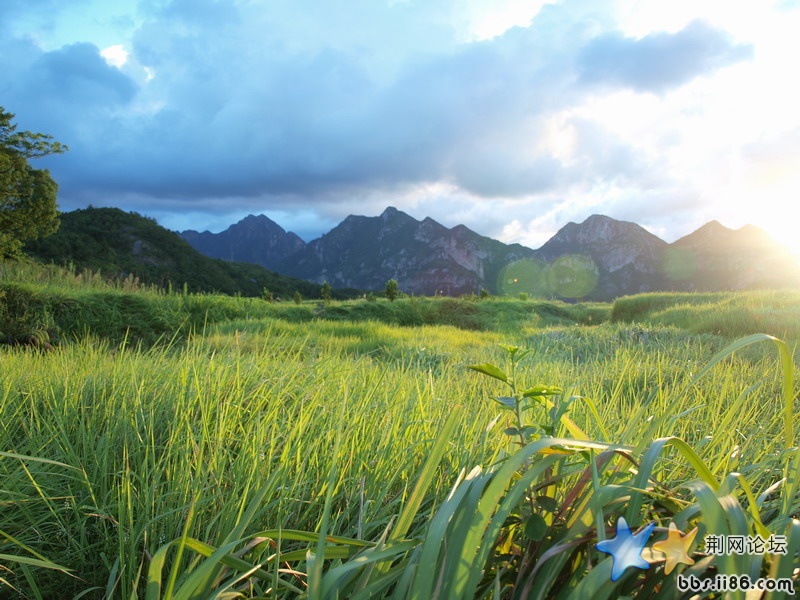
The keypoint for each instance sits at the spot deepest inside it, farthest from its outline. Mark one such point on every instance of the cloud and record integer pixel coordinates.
(329, 106)
(78, 74)
(660, 61)
(115, 56)
(248, 101)
(788, 5)
(64, 92)
(12, 10)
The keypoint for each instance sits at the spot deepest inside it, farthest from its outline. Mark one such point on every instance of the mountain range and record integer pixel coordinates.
(598, 259)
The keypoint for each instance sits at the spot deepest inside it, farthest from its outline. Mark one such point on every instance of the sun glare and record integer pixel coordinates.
(488, 21)
(115, 56)
(784, 230)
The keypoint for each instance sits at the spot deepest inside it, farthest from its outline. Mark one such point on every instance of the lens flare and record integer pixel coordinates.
(573, 276)
(524, 276)
(570, 276)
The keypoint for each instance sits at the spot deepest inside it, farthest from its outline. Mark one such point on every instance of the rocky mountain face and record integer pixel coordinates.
(625, 258)
(254, 239)
(599, 259)
(424, 257)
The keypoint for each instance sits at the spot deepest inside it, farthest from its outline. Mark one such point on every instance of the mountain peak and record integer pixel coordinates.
(255, 239)
(391, 213)
(625, 255)
(256, 219)
(600, 229)
(713, 232)
(598, 219)
(257, 222)
(714, 227)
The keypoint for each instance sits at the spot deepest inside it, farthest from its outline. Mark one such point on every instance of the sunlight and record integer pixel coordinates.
(486, 21)
(115, 56)
(777, 216)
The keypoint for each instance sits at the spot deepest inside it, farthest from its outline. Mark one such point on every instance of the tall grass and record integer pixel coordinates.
(189, 446)
(147, 435)
(522, 529)
(730, 314)
(222, 450)
(54, 277)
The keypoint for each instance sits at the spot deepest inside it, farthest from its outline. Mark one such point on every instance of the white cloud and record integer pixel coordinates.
(115, 56)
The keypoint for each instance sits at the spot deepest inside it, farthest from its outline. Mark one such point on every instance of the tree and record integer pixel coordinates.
(27, 196)
(326, 291)
(391, 289)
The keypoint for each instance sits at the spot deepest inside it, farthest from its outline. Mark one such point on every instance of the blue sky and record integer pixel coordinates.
(511, 117)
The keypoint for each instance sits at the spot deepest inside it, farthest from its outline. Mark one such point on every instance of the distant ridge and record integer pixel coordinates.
(119, 244)
(600, 258)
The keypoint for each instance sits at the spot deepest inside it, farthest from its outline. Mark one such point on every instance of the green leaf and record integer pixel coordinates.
(535, 527)
(46, 461)
(511, 431)
(153, 590)
(426, 476)
(507, 401)
(542, 390)
(512, 350)
(547, 503)
(535, 401)
(490, 370)
(516, 358)
(34, 562)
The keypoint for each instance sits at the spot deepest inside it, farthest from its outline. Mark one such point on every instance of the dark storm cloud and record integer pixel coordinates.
(321, 102)
(243, 110)
(72, 94)
(78, 75)
(659, 61)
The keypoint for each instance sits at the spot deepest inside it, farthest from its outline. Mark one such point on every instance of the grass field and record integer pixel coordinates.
(180, 446)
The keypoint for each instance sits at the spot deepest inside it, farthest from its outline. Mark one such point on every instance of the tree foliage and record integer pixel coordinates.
(392, 289)
(326, 291)
(27, 196)
(118, 244)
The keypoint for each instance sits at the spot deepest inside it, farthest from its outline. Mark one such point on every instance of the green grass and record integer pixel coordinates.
(730, 314)
(59, 303)
(146, 433)
(347, 450)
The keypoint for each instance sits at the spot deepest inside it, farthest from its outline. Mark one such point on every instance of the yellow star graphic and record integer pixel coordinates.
(676, 547)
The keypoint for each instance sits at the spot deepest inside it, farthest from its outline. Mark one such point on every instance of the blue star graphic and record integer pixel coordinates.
(626, 548)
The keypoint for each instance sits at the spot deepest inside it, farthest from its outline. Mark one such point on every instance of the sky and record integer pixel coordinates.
(511, 117)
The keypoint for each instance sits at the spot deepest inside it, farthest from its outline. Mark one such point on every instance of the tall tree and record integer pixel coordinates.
(28, 207)
(326, 291)
(392, 289)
